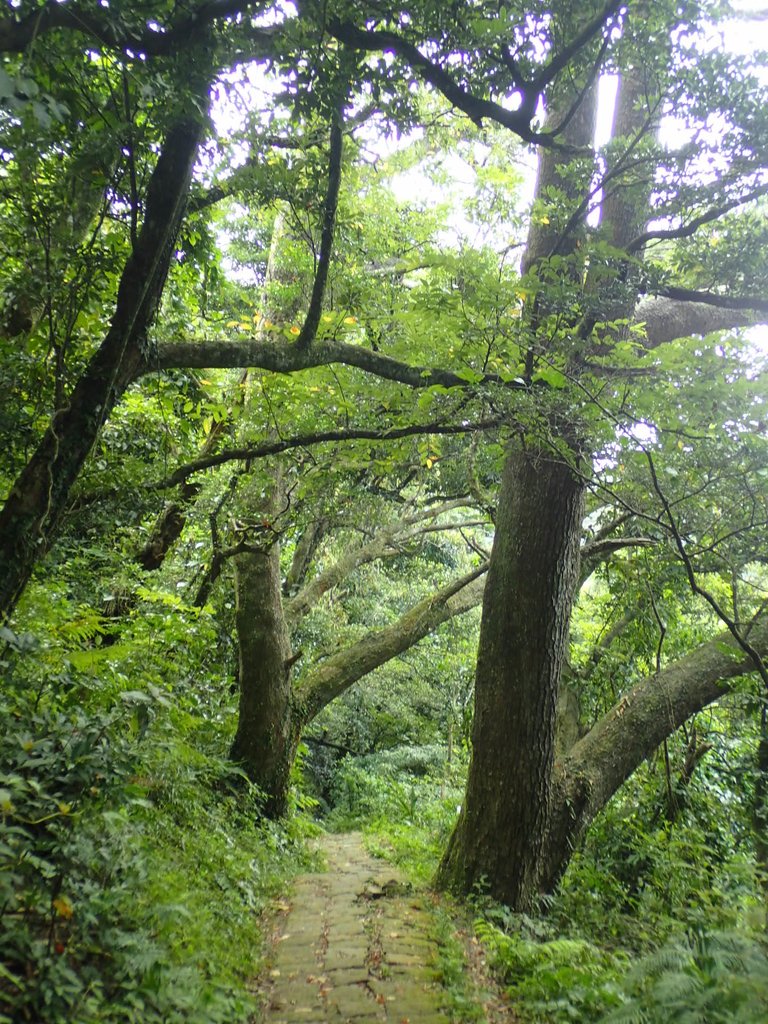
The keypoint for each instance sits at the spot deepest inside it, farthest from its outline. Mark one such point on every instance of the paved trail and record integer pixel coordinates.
(353, 947)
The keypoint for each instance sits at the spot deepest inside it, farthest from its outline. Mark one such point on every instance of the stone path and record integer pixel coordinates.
(353, 946)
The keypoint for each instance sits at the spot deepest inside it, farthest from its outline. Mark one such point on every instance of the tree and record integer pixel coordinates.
(563, 368)
(521, 815)
(157, 46)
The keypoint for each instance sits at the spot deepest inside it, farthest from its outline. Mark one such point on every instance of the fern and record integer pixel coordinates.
(700, 978)
(562, 979)
(630, 1013)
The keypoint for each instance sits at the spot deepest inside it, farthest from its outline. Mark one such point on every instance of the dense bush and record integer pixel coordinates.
(699, 978)
(132, 867)
(553, 980)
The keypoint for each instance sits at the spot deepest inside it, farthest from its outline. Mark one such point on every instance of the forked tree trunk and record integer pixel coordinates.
(266, 738)
(500, 837)
(594, 768)
(273, 711)
(506, 834)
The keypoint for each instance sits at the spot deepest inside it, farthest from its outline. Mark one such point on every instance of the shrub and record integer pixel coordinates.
(131, 868)
(698, 978)
(552, 981)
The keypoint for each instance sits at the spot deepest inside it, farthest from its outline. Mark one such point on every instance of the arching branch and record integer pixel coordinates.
(339, 672)
(261, 451)
(17, 34)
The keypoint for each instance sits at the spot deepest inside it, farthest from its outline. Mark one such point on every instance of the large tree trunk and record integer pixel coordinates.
(30, 516)
(273, 712)
(266, 738)
(503, 827)
(499, 838)
(503, 834)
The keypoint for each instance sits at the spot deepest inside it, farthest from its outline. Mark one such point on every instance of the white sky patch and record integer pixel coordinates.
(607, 90)
(249, 93)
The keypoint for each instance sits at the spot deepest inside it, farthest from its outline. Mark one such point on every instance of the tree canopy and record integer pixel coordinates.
(334, 321)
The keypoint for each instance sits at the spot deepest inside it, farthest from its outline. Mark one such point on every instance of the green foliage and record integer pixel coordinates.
(629, 889)
(132, 866)
(555, 980)
(408, 817)
(640, 877)
(699, 978)
(460, 996)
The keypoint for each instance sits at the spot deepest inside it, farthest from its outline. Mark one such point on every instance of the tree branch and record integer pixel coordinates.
(339, 672)
(312, 319)
(474, 107)
(16, 34)
(598, 764)
(686, 230)
(715, 605)
(290, 359)
(354, 557)
(667, 319)
(34, 506)
(596, 552)
(261, 451)
(579, 41)
(747, 302)
(240, 179)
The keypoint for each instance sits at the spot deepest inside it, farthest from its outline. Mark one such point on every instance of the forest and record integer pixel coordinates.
(384, 449)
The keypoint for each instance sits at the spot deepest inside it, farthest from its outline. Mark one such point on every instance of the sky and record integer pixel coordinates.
(743, 36)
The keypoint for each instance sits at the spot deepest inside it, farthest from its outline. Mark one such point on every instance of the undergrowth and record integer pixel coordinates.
(133, 865)
(647, 927)
(406, 817)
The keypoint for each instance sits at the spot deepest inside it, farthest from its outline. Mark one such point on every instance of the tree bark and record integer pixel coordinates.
(599, 763)
(306, 547)
(273, 712)
(32, 511)
(500, 837)
(266, 738)
(170, 523)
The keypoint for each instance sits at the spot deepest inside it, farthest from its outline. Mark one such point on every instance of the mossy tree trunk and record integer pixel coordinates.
(594, 768)
(267, 736)
(502, 840)
(501, 834)
(31, 514)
